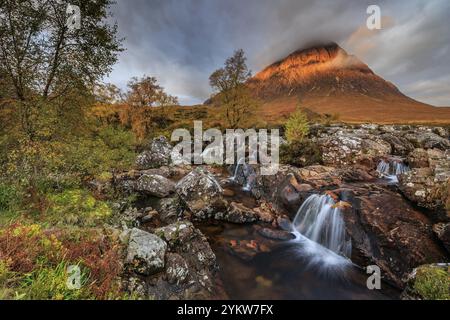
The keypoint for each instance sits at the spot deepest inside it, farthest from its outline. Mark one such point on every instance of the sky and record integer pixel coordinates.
(181, 42)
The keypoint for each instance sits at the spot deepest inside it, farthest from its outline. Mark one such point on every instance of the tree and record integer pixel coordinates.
(108, 93)
(47, 65)
(297, 126)
(146, 92)
(229, 84)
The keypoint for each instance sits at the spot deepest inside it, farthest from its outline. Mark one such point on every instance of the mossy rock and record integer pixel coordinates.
(429, 282)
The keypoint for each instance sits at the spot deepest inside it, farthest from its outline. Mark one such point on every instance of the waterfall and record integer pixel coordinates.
(233, 178)
(391, 169)
(320, 220)
(249, 174)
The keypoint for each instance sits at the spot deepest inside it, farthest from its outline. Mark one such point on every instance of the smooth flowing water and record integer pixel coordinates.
(298, 269)
(320, 220)
(391, 169)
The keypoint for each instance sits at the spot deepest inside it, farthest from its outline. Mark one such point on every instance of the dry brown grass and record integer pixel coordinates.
(359, 109)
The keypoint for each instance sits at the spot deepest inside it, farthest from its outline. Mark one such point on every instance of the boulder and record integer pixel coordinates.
(418, 158)
(237, 213)
(177, 269)
(429, 186)
(154, 185)
(275, 234)
(427, 140)
(157, 154)
(428, 282)
(442, 231)
(400, 145)
(346, 147)
(145, 254)
(387, 231)
(201, 193)
(170, 209)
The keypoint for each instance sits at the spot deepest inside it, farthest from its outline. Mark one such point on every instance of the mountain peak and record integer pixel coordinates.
(321, 70)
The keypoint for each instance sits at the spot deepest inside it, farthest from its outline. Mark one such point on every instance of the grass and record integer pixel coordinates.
(34, 263)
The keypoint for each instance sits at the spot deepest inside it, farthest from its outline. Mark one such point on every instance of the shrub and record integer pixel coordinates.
(9, 196)
(297, 126)
(300, 153)
(76, 207)
(34, 261)
(432, 283)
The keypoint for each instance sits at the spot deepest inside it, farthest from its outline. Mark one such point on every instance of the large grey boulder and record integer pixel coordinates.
(145, 254)
(155, 185)
(428, 183)
(201, 193)
(427, 140)
(157, 155)
(346, 147)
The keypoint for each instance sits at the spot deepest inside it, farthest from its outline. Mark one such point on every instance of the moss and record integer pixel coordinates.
(77, 207)
(432, 283)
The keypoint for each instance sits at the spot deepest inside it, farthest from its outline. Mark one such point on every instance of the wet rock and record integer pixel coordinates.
(154, 185)
(237, 213)
(276, 234)
(400, 145)
(290, 186)
(387, 231)
(145, 254)
(427, 140)
(418, 158)
(265, 213)
(201, 193)
(157, 155)
(354, 174)
(429, 187)
(442, 231)
(246, 249)
(177, 269)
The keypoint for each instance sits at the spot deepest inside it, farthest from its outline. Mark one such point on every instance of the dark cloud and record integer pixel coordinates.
(182, 41)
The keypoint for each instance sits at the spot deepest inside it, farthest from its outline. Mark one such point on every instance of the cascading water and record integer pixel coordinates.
(320, 220)
(240, 161)
(391, 169)
(248, 173)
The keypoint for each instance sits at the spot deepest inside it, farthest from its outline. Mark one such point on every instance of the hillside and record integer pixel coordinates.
(327, 80)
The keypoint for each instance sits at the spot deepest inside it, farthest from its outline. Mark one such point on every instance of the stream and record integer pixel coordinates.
(293, 269)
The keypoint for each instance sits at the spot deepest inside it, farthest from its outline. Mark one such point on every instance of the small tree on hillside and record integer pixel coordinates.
(146, 92)
(297, 126)
(229, 84)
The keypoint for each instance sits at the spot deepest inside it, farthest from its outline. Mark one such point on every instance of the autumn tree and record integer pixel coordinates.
(229, 84)
(146, 92)
(108, 93)
(43, 58)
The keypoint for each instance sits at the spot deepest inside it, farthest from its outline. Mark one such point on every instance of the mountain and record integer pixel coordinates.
(328, 80)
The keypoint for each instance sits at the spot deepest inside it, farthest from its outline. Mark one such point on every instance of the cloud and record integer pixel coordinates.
(183, 42)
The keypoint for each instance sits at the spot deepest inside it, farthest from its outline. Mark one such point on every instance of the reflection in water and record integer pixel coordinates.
(297, 269)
